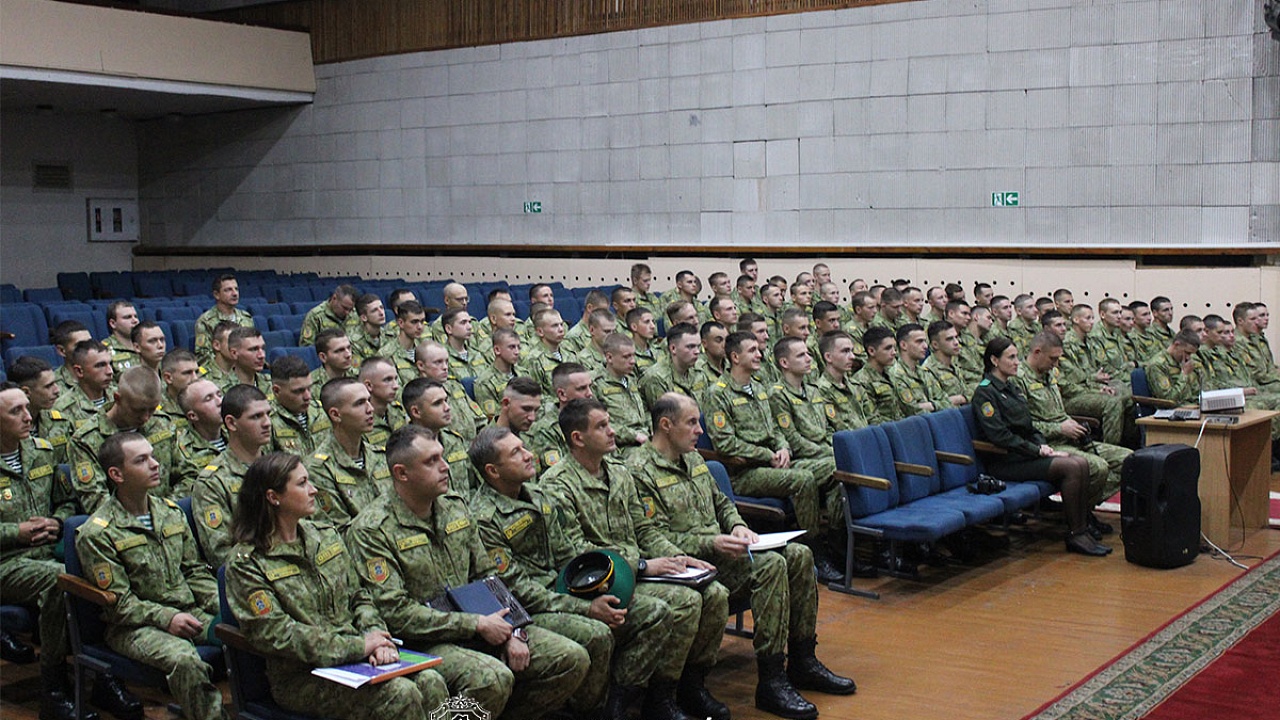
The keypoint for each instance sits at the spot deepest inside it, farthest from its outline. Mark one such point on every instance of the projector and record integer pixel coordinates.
(1220, 401)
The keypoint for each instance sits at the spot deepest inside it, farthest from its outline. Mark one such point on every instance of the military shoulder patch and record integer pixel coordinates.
(212, 519)
(260, 603)
(376, 569)
(784, 420)
(43, 444)
(988, 410)
(650, 507)
(719, 420)
(84, 472)
(501, 560)
(102, 575)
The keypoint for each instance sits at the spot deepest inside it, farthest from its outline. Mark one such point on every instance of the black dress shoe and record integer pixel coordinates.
(110, 695)
(826, 571)
(1103, 528)
(15, 651)
(57, 705)
(1084, 544)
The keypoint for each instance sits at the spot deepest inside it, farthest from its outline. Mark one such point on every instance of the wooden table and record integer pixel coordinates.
(1235, 470)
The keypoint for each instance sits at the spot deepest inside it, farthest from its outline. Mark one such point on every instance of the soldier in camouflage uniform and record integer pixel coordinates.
(1143, 340)
(772, 298)
(91, 365)
(433, 364)
(968, 362)
(383, 383)
(464, 359)
(1229, 369)
(643, 329)
(545, 355)
(519, 532)
(1251, 347)
(412, 545)
(500, 315)
(36, 379)
(865, 309)
(843, 397)
(880, 402)
(402, 349)
(615, 386)
(372, 332)
(676, 371)
(806, 421)
(545, 439)
(178, 369)
(741, 425)
(335, 312)
(226, 298)
(200, 439)
(641, 283)
(1086, 387)
(428, 404)
(597, 506)
(333, 347)
(136, 399)
(1116, 359)
(34, 502)
(578, 337)
(247, 417)
(348, 472)
(676, 486)
(917, 391)
(249, 356)
(140, 547)
(492, 380)
(746, 296)
(1025, 322)
(521, 402)
(1037, 379)
(712, 363)
(65, 336)
(298, 423)
(122, 317)
(293, 588)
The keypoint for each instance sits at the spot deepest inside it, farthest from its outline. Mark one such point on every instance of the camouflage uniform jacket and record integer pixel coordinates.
(948, 380)
(191, 453)
(1164, 375)
(465, 363)
(123, 354)
(741, 423)
(804, 418)
(880, 402)
(343, 488)
(208, 321)
(627, 412)
(546, 440)
(155, 573)
(90, 478)
(320, 318)
(383, 425)
(288, 435)
(682, 500)
(1044, 401)
(845, 400)
(915, 386)
(489, 386)
(404, 561)
(662, 378)
(301, 603)
(468, 418)
(213, 504)
(37, 491)
(603, 512)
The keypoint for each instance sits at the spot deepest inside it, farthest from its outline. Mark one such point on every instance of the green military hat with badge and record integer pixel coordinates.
(596, 573)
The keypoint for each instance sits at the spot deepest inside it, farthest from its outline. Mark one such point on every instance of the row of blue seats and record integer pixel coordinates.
(907, 482)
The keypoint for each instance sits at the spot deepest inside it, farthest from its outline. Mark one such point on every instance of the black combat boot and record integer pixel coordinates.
(108, 694)
(695, 699)
(660, 702)
(808, 673)
(619, 700)
(58, 701)
(15, 651)
(775, 693)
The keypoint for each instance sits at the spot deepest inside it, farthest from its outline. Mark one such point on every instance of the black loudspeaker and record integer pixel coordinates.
(1160, 506)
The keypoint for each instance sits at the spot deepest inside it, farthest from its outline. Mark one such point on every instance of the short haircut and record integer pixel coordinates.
(1045, 339)
(346, 291)
(733, 343)
(1190, 338)
(860, 298)
(237, 399)
(498, 293)
(676, 308)
(905, 331)
(1159, 301)
(889, 295)
(325, 338)
(83, 348)
(1213, 322)
(639, 269)
(613, 342)
(364, 302)
(599, 317)
(1022, 300)
(400, 444)
(1049, 316)
(1061, 294)
(938, 327)
(876, 335)
(236, 337)
(718, 302)
(484, 448)
(331, 390)
(1184, 324)
(217, 281)
(397, 297)
(542, 317)
(596, 298)
(575, 415)
(560, 376)
(679, 330)
(823, 308)
(1107, 303)
(684, 274)
(637, 314)
(1140, 304)
(667, 406)
(61, 333)
(136, 333)
(953, 290)
(141, 382)
(172, 359)
(222, 329)
(1241, 311)
(785, 346)
(26, 369)
(533, 289)
(744, 262)
(288, 367)
(708, 326)
(450, 316)
(372, 365)
(111, 453)
(619, 293)
(116, 306)
(502, 335)
(409, 308)
(828, 340)
(980, 286)
(793, 315)
(523, 386)
(744, 280)
(953, 305)
(418, 387)
(1079, 308)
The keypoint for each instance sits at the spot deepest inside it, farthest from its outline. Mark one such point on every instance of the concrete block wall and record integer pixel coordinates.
(1144, 123)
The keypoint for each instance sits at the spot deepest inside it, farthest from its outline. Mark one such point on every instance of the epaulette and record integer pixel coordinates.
(720, 383)
(160, 407)
(378, 448)
(43, 444)
(202, 370)
(985, 381)
(55, 415)
(211, 468)
(320, 456)
(170, 503)
(100, 522)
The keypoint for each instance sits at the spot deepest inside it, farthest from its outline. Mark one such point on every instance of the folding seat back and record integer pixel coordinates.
(44, 352)
(951, 434)
(910, 442)
(75, 285)
(301, 307)
(9, 293)
(295, 294)
(278, 339)
(866, 452)
(184, 334)
(25, 322)
(308, 355)
(43, 295)
(152, 285)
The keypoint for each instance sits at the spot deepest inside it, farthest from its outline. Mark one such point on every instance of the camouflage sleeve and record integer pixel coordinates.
(652, 386)
(1074, 372)
(724, 437)
(98, 554)
(380, 567)
(212, 511)
(536, 597)
(1052, 431)
(331, 504)
(310, 326)
(273, 631)
(785, 423)
(652, 541)
(87, 478)
(63, 502)
(203, 584)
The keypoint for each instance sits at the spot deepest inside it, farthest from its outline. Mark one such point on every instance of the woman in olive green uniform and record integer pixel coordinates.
(291, 585)
(1004, 420)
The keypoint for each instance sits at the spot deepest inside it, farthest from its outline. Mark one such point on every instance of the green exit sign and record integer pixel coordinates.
(1004, 199)
(533, 207)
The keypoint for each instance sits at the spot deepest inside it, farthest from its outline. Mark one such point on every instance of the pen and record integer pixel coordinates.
(751, 556)
(397, 641)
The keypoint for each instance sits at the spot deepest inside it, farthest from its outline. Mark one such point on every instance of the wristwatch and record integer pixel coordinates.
(521, 635)
(641, 567)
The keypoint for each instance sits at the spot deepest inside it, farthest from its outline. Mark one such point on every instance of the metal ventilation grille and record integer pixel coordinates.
(51, 177)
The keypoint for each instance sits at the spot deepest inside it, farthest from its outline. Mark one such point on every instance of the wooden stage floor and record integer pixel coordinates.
(991, 640)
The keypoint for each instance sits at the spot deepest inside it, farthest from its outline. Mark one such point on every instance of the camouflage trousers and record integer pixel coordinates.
(697, 625)
(1105, 462)
(1115, 412)
(26, 581)
(783, 594)
(188, 675)
(596, 638)
(795, 483)
(556, 667)
(411, 696)
(823, 470)
(1264, 401)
